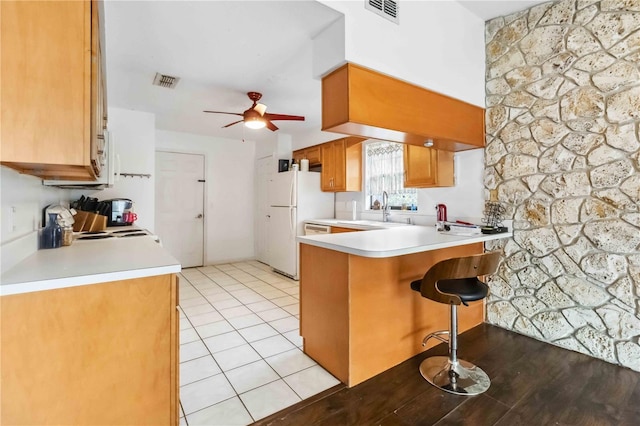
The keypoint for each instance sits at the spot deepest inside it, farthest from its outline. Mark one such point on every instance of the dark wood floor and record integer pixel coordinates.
(532, 383)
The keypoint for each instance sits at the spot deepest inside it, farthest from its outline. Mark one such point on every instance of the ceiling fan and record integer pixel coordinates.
(256, 116)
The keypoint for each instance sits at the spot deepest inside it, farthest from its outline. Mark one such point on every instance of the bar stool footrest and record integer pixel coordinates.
(460, 378)
(436, 335)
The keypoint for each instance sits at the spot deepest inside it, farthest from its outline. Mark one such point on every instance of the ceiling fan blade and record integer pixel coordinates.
(231, 124)
(261, 108)
(271, 126)
(222, 112)
(270, 116)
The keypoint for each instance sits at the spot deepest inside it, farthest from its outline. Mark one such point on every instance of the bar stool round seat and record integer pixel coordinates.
(469, 289)
(455, 281)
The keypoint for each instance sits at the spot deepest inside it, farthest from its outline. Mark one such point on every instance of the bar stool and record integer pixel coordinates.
(455, 281)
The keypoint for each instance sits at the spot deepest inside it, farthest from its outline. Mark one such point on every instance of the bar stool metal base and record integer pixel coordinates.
(460, 378)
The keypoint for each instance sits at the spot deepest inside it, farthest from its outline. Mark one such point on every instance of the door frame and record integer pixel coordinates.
(205, 222)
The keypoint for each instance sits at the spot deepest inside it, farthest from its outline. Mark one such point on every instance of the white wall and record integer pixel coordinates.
(133, 134)
(464, 201)
(229, 194)
(438, 45)
(21, 203)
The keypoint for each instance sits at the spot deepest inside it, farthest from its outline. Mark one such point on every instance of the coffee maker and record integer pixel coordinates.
(119, 213)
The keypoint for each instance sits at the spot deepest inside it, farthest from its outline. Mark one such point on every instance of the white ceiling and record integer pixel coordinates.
(221, 50)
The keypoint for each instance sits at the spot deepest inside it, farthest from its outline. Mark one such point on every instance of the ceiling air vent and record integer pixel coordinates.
(386, 8)
(165, 81)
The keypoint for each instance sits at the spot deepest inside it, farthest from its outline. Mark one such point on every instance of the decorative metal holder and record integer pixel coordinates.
(493, 217)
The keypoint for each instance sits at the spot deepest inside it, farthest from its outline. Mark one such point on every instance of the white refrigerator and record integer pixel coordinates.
(294, 197)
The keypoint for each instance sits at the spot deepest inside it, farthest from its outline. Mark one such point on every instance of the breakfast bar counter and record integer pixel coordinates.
(358, 315)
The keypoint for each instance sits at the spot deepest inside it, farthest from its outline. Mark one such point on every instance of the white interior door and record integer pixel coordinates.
(180, 205)
(263, 176)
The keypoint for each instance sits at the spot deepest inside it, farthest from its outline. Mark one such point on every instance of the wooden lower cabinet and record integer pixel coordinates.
(103, 353)
(340, 229)
(359, 316)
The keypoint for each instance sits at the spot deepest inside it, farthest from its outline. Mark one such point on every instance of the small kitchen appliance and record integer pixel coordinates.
(119, 212)
(441, 216)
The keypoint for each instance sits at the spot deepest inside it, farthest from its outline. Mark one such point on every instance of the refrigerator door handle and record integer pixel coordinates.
(291, 224)
(291, 189)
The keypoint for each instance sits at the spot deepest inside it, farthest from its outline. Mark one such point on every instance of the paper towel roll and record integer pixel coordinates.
(304, 165)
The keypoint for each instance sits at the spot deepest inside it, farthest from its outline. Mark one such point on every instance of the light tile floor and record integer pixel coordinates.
(240, 348)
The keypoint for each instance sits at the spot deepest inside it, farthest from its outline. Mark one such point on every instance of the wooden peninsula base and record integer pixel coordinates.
(358, 315)
(97, 354)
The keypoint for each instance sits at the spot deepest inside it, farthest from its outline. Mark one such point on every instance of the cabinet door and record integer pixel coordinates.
(104, 353)
(340, 165)
(46, 67)
(313, 154)
(298, 155)
(97, 94)
(420, 166)
(52, 88)
(427, 167)
(328, 167)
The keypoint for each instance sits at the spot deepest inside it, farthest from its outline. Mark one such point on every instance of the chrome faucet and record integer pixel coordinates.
(385, 207)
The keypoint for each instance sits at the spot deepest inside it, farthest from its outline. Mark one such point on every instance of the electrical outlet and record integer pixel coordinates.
(493, 195)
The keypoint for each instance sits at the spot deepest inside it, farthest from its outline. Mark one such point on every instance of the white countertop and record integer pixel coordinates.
(89, 262)
(396, 241)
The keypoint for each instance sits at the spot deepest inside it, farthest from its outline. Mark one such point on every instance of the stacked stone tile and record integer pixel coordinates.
(563, 154)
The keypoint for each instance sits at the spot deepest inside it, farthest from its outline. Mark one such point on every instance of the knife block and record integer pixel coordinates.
(87, 221)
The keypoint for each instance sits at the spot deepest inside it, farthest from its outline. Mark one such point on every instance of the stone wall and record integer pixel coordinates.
(563, 154)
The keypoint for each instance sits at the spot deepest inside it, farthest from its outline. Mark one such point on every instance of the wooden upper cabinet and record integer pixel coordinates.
(328, 166)
(298, 155)
(427, 167)
(362, 102)
(342, 165)
(313, 154)
(53, 105)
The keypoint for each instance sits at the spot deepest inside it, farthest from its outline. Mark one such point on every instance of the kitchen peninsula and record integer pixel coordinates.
(89, 335)
(358, 315)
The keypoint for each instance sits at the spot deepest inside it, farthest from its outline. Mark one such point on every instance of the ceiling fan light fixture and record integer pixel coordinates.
(254, 122)
(256, 116)
(260, 108)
